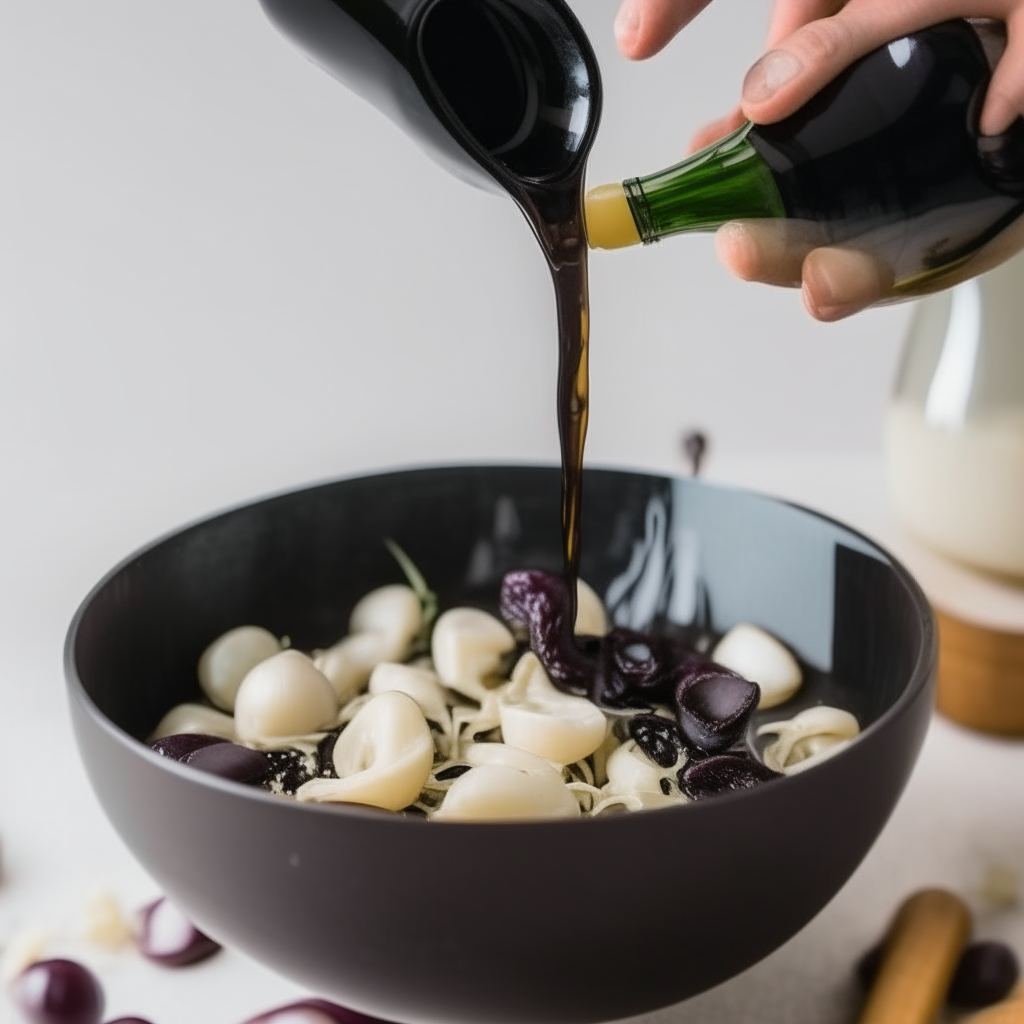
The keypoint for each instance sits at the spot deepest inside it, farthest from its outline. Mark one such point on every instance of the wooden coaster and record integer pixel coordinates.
(981, 676)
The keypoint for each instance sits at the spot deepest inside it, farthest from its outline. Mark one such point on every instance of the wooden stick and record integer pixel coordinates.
(1002, 1013)
(920, 956)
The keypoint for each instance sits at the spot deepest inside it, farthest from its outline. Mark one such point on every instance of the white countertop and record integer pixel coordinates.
(960, 817)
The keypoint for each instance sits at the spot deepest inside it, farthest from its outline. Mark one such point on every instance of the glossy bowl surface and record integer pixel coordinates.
(514, 923)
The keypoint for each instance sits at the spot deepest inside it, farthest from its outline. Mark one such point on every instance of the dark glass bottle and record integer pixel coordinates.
(888, 158)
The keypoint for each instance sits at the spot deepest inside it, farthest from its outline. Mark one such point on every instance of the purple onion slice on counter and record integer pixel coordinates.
(167, 937)
(313, 1011)
(724, 773)
(58, 992)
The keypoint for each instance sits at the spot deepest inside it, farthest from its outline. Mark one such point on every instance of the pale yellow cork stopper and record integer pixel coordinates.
(610, 223)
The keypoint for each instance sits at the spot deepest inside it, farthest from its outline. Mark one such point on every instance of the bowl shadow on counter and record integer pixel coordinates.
(546, 922)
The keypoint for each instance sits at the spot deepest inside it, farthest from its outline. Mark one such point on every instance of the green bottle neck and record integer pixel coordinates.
(726, 181)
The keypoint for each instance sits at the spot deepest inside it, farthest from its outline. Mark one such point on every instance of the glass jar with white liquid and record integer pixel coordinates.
(956, 423)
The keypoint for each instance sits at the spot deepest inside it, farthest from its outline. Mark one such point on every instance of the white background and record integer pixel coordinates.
(222, 275)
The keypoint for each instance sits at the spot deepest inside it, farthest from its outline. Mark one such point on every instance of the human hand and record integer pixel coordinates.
(809, 43)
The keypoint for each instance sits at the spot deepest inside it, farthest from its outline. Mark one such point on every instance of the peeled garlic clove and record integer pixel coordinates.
(468, 646)
(383, 758)
(756, 655)
(822, 721)
(227, 661)
(591, 618)
(349, 663)
(631, 771)
(286, 695)
(419, 683)
(195, 718)
(393, 613)
(544, 721)
(506, 784)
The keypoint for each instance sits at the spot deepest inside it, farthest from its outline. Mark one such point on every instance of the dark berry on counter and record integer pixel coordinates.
(986, 973)
(723, 773)
(231, 761)
(657, 737)
(179, 746)
(58, 992)
(313, 1011)
(167, 937)
(713, 707)
(536, 604)
(869, 965)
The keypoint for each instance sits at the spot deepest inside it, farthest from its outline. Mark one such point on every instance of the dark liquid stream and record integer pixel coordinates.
(555, 212)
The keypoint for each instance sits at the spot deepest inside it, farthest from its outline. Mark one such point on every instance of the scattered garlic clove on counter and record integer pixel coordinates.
(286, 695)
(227, 661)
(808, 738)
(468, 646)
(383, 758)
(756, 655)
(419, 683)
(195, 718)
(505, 784)
(537, 717)
(591, 617)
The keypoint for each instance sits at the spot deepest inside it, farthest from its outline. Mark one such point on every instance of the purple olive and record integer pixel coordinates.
(313, 1011)
(657, 737)
(169, 938)
(58, 992)
(536, 604)
(231, 761)
(179, 746)
(985, 974)
(723, 773)
(713, 706)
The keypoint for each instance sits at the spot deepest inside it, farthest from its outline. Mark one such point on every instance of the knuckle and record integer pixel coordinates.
(826, 41)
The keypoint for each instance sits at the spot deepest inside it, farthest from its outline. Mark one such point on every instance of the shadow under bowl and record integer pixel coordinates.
(508, 923)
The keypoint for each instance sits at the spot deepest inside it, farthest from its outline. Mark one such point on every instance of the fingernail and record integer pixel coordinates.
(769, 74)
(627, 21)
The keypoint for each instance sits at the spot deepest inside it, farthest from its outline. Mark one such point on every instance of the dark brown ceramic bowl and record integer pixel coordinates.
(549, 922)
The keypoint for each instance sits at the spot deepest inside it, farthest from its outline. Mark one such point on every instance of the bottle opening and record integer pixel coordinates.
(512, 77)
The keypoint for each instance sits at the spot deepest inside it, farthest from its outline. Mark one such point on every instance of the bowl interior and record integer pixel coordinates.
(664, 553)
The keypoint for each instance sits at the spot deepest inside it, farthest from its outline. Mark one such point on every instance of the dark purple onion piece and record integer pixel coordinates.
(169, 938)
(986, 973)
(723, 773)
(317, 1011)
(231, 761)
(713, 707)
(58, 992)
(536, 604)
(179, 746)
(657, 737)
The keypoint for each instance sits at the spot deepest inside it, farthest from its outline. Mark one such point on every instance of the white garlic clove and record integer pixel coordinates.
(537, 717)
(286, 695)
(632, 772)
(393, 613)
(350, 662)
(468, 646)
(756, 655)
(383, 758)
(195, 718)
(419, 683)
(506, 784)
(591, 618)
(808, 738)
(227, 661)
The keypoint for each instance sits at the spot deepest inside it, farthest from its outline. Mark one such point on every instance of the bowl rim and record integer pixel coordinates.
(921, 673)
